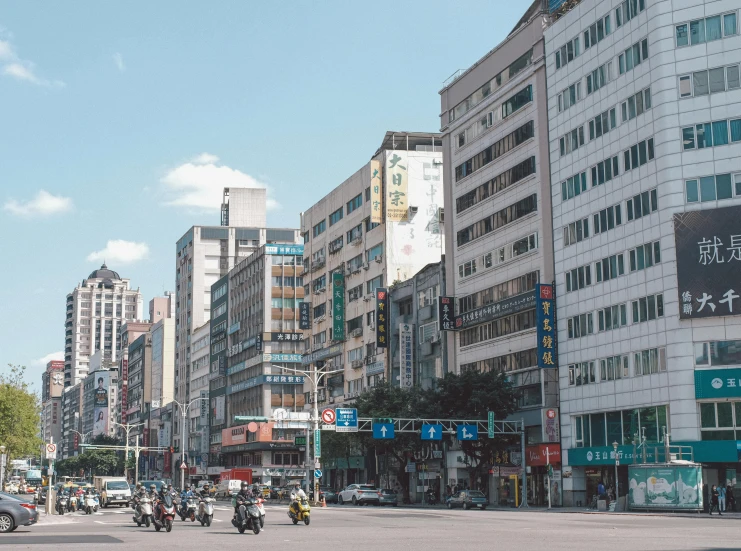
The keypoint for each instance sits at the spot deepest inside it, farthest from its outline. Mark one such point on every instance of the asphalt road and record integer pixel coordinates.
(390, 529)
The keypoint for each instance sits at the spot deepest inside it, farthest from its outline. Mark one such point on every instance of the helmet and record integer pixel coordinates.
(255, 487)
(244, 485)
(138, 485)
(296, 485)
(152, 487)
(187, 487)
(205, 486)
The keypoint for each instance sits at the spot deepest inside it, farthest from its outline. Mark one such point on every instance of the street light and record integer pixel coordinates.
(617, 492)
(184, 413)
(314, 377)
(127, 427)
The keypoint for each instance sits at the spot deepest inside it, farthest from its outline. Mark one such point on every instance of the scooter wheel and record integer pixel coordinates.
(157, 527)
(295, 521)
(255, 527)
(208, 520)
(307, 520)
(168, 525)
(147, 522)
(241, 529)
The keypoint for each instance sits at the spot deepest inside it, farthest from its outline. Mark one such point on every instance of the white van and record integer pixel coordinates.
(228, 488)
(114, 490)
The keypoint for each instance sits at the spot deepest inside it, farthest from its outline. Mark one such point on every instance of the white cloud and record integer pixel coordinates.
(200, 183)
(20, 69)
(41, 362)
(118, 251)
(43, 204)
(118, 60)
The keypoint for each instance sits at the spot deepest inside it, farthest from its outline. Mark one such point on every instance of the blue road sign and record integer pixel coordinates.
(347, 420)
(318, 473)
(432, 432)
(468, 432)
(383, 431)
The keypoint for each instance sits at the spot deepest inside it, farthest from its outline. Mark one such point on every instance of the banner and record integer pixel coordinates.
(376, 196)
(708, 247)
(100, 403)
(445, 313)
(406, 350)
(545, 312)
(338, 307)
(397, 183)
(304, 319)
(491, 312)
(382, 332)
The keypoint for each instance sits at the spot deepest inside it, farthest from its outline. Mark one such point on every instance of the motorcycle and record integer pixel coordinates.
(91, 504)
(62, 503)
(261, 508)
(431, 498)
(206, 511)
(164, 513)
(300, 510)
(247, 516)
(188, 509)
(143, 512)
(72, 503)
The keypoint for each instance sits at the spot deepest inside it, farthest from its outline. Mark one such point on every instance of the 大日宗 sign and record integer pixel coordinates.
(708, 245)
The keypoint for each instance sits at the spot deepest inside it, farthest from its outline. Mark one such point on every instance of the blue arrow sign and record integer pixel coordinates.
(432, 432)
(318, 473)
(347, 420)
(468, 432)
(383, 431)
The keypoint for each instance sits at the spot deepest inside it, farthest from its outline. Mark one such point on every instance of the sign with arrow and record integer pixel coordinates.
(432, 432)
(328, 416)
(468, 432)
(383, 431)
(347, 420)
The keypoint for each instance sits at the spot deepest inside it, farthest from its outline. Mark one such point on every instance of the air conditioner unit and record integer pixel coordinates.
(356, 241)
(331, 400)
(413, 211)
(379, 258)
(367, 298)
(366, 266)
(356, 364)
(435, 337)
(356, 332)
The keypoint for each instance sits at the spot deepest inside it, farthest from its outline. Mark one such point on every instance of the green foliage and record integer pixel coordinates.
(97, 462)
(19, 415)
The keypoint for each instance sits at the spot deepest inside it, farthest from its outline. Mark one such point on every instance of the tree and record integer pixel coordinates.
(19, 415)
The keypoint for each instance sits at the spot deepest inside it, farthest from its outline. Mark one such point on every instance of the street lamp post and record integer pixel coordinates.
(617, 462)
(127, 427)
(184, 413)
(315, 378)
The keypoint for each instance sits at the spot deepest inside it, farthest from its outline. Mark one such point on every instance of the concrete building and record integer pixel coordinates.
(197, 430)
(71, 415)
(644, 104)
(498, 226)
(128, 333)
(244, 207)
(96, 309)
(52, 387)
(381, 225)
(217, 381)
(139, 388)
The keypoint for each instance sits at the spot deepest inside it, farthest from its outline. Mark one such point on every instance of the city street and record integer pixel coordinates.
(392, 529)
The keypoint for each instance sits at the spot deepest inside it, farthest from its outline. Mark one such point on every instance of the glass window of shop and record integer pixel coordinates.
(718, 353)
(602, 429)
(720, 420)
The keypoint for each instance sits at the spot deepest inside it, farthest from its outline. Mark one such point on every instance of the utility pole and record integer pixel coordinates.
(127, 427)
(183, 414)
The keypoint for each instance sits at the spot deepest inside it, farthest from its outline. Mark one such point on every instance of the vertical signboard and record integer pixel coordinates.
(545, 308)
(317, 444)
(304, 319)
(258, 342)
(382, 330)
(445, 313)
(406, 350)
(376, 196)
(397, 186)
(204, 407)
(338, 306)
(124, 384)
(100, 404)
(550, 424)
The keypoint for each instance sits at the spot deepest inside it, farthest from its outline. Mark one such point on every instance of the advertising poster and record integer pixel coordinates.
(665, 488)
(100, 404)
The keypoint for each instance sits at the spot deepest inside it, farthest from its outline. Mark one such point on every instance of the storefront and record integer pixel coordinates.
(538, 457)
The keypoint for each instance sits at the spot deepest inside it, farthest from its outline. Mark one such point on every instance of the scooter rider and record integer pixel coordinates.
(297, 494)
(243, 495)
(184, 495)
(204, 492)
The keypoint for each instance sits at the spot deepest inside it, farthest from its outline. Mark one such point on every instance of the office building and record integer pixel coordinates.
(52, 387)
(644, 106)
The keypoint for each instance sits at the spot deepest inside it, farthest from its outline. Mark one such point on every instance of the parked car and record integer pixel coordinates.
(467, 499)
(389, 497)
(360, 494)
(15, 512)
(330, 495)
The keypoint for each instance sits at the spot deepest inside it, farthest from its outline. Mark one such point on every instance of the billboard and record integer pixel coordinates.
(708, 247)
(545, 315)
(100, 403)
(665, 487)
(382, 303)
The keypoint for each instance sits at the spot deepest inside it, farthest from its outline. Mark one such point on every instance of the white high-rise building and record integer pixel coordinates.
(644, 104)
(96, 309)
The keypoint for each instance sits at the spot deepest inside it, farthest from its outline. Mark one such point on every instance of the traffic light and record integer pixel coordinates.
(172, 450)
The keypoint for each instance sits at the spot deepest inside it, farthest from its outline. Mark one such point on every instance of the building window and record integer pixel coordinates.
(497, 220)
(599, 77)
(628, 10)
(427, 331)
(428, 296)
(514, 361)
(706, 30)
(495, 185)
(498, 328)
(320, 310)
(355, 293)
(718, 353)
(582, 374)
(569, 96)
(605, 171)
(494, 151)
(712, 81)
(642, 204)
(355, 323)
(578, 278)
(513, 287)
(633, 56)
(649, 362)
(645, 256)
(336, 245)
(596, 32)
(374, 284)
(711, 134)
(374, 252)
(607, 219)
(711, 188)
(370, 225)
(354, 203)
(567, 52)
(648, 308)
(602, 124)
(355, 233)
(610, 267)
(580, 326)
(575, 232)
(623, 427)
(467, 269)
(571, 141)
(636, 105)
(638, 154)
(516, 102)
(335, 217)
(356, 354)
(319, 228)
(612, 317)
(320, 338)
(574, 186)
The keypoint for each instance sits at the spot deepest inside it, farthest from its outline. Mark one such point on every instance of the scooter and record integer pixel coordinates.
(62, 503)
(91, 504)
(144, 512)
(164, 514)
(188, 509)
(206, 511)
(247, 516)
(72, 503)
(261, 508)
(300, 510)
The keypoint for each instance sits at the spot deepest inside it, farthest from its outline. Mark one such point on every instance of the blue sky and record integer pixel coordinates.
(120, 122)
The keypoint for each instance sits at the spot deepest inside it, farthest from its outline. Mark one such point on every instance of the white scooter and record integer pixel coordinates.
(91, 504)
(205, 511)
(144, 511)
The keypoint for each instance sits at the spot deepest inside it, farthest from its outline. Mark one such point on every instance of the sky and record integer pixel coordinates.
(120, 123)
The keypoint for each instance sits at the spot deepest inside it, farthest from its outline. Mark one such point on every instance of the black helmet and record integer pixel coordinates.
(169, 486)
(245, 485)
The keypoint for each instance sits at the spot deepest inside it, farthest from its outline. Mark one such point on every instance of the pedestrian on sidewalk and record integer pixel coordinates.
(714, 500)
(730, 499)
(721, 499)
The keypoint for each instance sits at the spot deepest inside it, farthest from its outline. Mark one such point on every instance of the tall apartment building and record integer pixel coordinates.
(644, 106)
(52, 386)
(96, 309)
(498, 226)
(238, 207)
(200, 368)
(71, 415)
(128, 333)
(383, 224)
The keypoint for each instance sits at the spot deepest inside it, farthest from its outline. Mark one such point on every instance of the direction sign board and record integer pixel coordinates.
(318, 473)
(468, 432)
(347, 419)
(491, 424)
(328, 416)
(299, 440)
(383, 431)
(432, 432)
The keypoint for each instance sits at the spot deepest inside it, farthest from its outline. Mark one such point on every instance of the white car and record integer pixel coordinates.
(360, 494)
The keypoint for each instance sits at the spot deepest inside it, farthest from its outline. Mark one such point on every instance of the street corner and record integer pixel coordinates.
(54, 520)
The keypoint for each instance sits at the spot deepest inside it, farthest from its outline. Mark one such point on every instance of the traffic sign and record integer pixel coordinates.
(328, 416)
(432, 432)
(491, 424)
(318, 473)
(347, 419)
(328, 427)
(317, 444)
(51, 451)
(383, 431)
(183, 466)
(468, 432)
